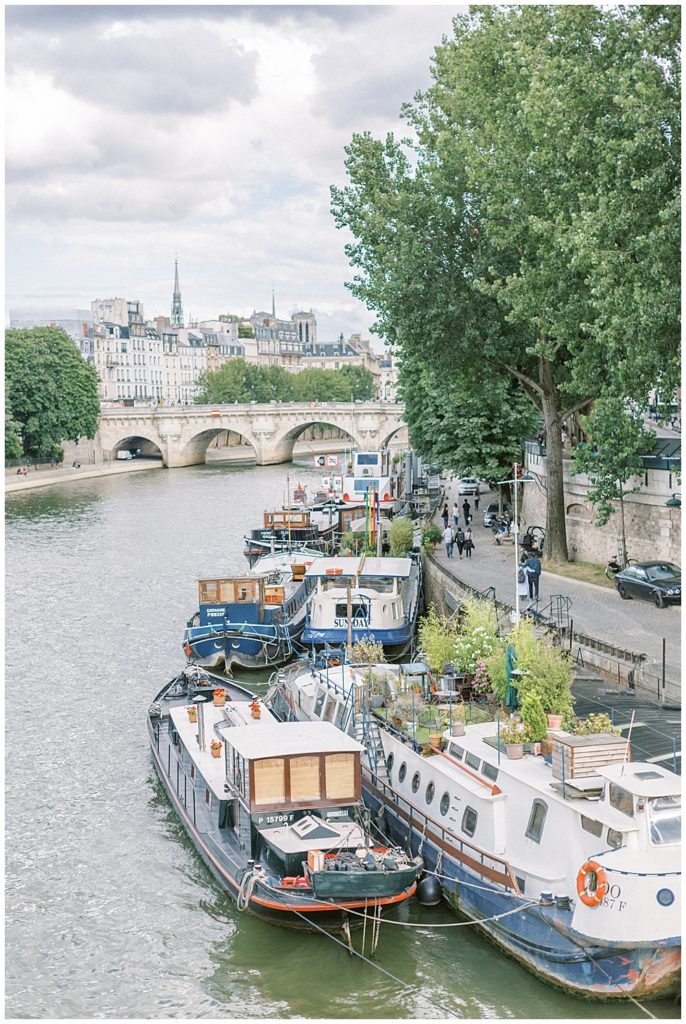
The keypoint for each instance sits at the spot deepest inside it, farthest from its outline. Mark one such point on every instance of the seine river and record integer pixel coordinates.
(109, 912)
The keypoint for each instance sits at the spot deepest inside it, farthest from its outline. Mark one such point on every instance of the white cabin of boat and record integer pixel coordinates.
(372, 589)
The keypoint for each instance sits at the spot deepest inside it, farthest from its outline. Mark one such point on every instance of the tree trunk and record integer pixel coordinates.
(555, 526)
(622, 526)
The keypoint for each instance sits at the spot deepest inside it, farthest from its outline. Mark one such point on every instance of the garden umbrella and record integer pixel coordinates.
(511, 694)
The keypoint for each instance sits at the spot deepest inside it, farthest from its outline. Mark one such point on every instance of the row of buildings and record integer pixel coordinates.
(160, 360)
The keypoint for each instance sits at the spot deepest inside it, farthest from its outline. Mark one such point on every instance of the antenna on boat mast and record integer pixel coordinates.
(628, 741)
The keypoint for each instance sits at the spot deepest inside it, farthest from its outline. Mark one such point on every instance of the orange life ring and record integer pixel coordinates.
(591, 899)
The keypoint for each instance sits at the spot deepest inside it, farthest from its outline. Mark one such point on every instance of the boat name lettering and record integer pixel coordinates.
(610, 904)
(358, 623)
(215, 613)
(271, 819)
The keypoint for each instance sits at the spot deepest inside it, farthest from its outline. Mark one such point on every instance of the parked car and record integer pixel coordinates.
(124, 454)
(655, 581)
(492, 511)
(468, 485)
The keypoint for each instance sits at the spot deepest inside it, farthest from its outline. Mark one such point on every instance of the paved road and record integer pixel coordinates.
(635, 625)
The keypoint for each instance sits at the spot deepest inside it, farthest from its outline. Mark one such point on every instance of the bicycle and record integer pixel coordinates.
(616, 565)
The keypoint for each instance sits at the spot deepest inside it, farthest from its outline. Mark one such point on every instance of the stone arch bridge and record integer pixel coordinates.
(182, 435)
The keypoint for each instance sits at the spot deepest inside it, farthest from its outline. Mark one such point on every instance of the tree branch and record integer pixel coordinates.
(575, 408)
(530, 385)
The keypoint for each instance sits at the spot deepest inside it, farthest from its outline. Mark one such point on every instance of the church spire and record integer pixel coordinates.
(177, 309)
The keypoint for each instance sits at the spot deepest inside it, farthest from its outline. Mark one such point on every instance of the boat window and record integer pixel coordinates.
(305, 782)
(340, 776)
(490, 771)
(469, 821)
(534, 829)
(270, 781)
(367, 459)
(664, 820)
(473, 761)
(456, 751)
(338, 718)
(445, 803)
(614, 838)
(329, 710)
(430, 792)
(403, 772)
(359, 611)
(621, 799)
(591, 825)
(319, 703)
(389, 763)
(416, 779)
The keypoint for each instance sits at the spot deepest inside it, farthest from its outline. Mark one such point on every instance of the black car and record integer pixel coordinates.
(656, 581)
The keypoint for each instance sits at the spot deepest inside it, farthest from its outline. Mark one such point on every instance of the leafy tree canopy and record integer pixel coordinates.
(51, 390)
(531, 233)
(239, 381)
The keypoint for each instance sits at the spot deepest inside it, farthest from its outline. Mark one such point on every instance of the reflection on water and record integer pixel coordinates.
(110, 911)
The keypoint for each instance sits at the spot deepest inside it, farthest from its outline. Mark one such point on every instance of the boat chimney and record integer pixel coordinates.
(200, 702)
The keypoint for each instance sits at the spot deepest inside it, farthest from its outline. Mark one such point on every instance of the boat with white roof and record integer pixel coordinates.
(273, 808)
(572, 867)
(359, 597)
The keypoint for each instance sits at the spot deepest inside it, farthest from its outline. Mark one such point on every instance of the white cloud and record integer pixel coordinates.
(212, 132)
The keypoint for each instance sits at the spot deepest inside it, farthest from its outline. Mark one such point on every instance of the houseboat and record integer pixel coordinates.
(374, 472)
(290, 529)
(273, 808)
(362, 598)
(252, 620)
(573, 867)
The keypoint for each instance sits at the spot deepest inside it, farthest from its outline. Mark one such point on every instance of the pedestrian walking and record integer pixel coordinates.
(459, 540)
(477, 499)
(468, 542)
(522, 581)
(456, 515)
(466, 508)
(446, 515)
(448, 540)
(532, 567)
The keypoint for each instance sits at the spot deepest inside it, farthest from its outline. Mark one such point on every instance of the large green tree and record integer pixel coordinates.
(239, 381)
(510, 240)
(51, 390)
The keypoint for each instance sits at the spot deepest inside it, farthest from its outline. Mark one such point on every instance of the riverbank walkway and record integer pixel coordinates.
(596, 611)
(67, 474)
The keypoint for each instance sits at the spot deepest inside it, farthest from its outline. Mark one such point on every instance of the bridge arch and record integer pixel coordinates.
(196, 448)
(283, 446)
(396, 430)
(138, 445)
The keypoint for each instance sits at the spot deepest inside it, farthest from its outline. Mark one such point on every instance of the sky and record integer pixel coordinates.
(135, 133)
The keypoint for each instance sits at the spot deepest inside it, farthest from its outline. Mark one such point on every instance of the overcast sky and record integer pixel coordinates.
(136, 132)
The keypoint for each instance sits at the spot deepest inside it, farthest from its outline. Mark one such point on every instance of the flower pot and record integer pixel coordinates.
(537, 749)
(192, 714)
(397, 722)
(256, 712)
(216, 751)
(457, 729)
(219, 698)
(435, 739)
(514, 751)
(554, 721)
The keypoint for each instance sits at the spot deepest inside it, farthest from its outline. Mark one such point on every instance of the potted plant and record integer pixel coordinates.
(401, 532)
(405, 709)
(219, 697)
(216, 748)
(512, 737)
(596, 724)
(192, 713)
(431, 535)
(433, 719)
(255, 708)
(456, 716)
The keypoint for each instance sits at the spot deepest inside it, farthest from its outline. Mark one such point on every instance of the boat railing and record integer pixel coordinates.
(486, 865)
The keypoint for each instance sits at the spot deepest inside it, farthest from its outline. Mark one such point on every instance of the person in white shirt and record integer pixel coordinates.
(448, 541)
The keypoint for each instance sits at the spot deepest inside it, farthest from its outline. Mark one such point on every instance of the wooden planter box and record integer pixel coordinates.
(583, 755)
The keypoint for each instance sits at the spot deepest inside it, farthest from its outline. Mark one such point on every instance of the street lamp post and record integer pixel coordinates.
(524, 479)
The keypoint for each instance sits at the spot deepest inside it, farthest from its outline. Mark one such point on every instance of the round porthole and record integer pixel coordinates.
(430, 792)
(403, 772)
(389, 762)
(416, 779)
(445, 803)
(665, 897)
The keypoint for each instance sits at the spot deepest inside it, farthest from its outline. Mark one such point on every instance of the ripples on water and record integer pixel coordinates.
(109, 911)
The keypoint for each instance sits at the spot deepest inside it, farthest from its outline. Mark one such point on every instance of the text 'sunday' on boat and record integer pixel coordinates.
(273, 808)
(573, 867)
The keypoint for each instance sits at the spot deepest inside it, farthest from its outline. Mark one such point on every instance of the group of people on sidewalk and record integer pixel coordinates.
(529, 576)
(454, 535)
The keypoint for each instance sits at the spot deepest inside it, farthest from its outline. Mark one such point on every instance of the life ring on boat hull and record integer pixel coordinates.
(591, 898)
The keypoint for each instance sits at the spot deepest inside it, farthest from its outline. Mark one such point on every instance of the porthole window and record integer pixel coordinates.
(430, 792)
(445, 803)
(403, 772)
(389, 763)
(469, 821)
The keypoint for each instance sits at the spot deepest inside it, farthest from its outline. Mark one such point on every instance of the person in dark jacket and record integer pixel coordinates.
(466, 508)
(459, 540)
(532, 567)
(446, 516)
(468, 542)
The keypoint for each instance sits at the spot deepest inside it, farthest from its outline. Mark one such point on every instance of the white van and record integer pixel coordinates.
(124, 454)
